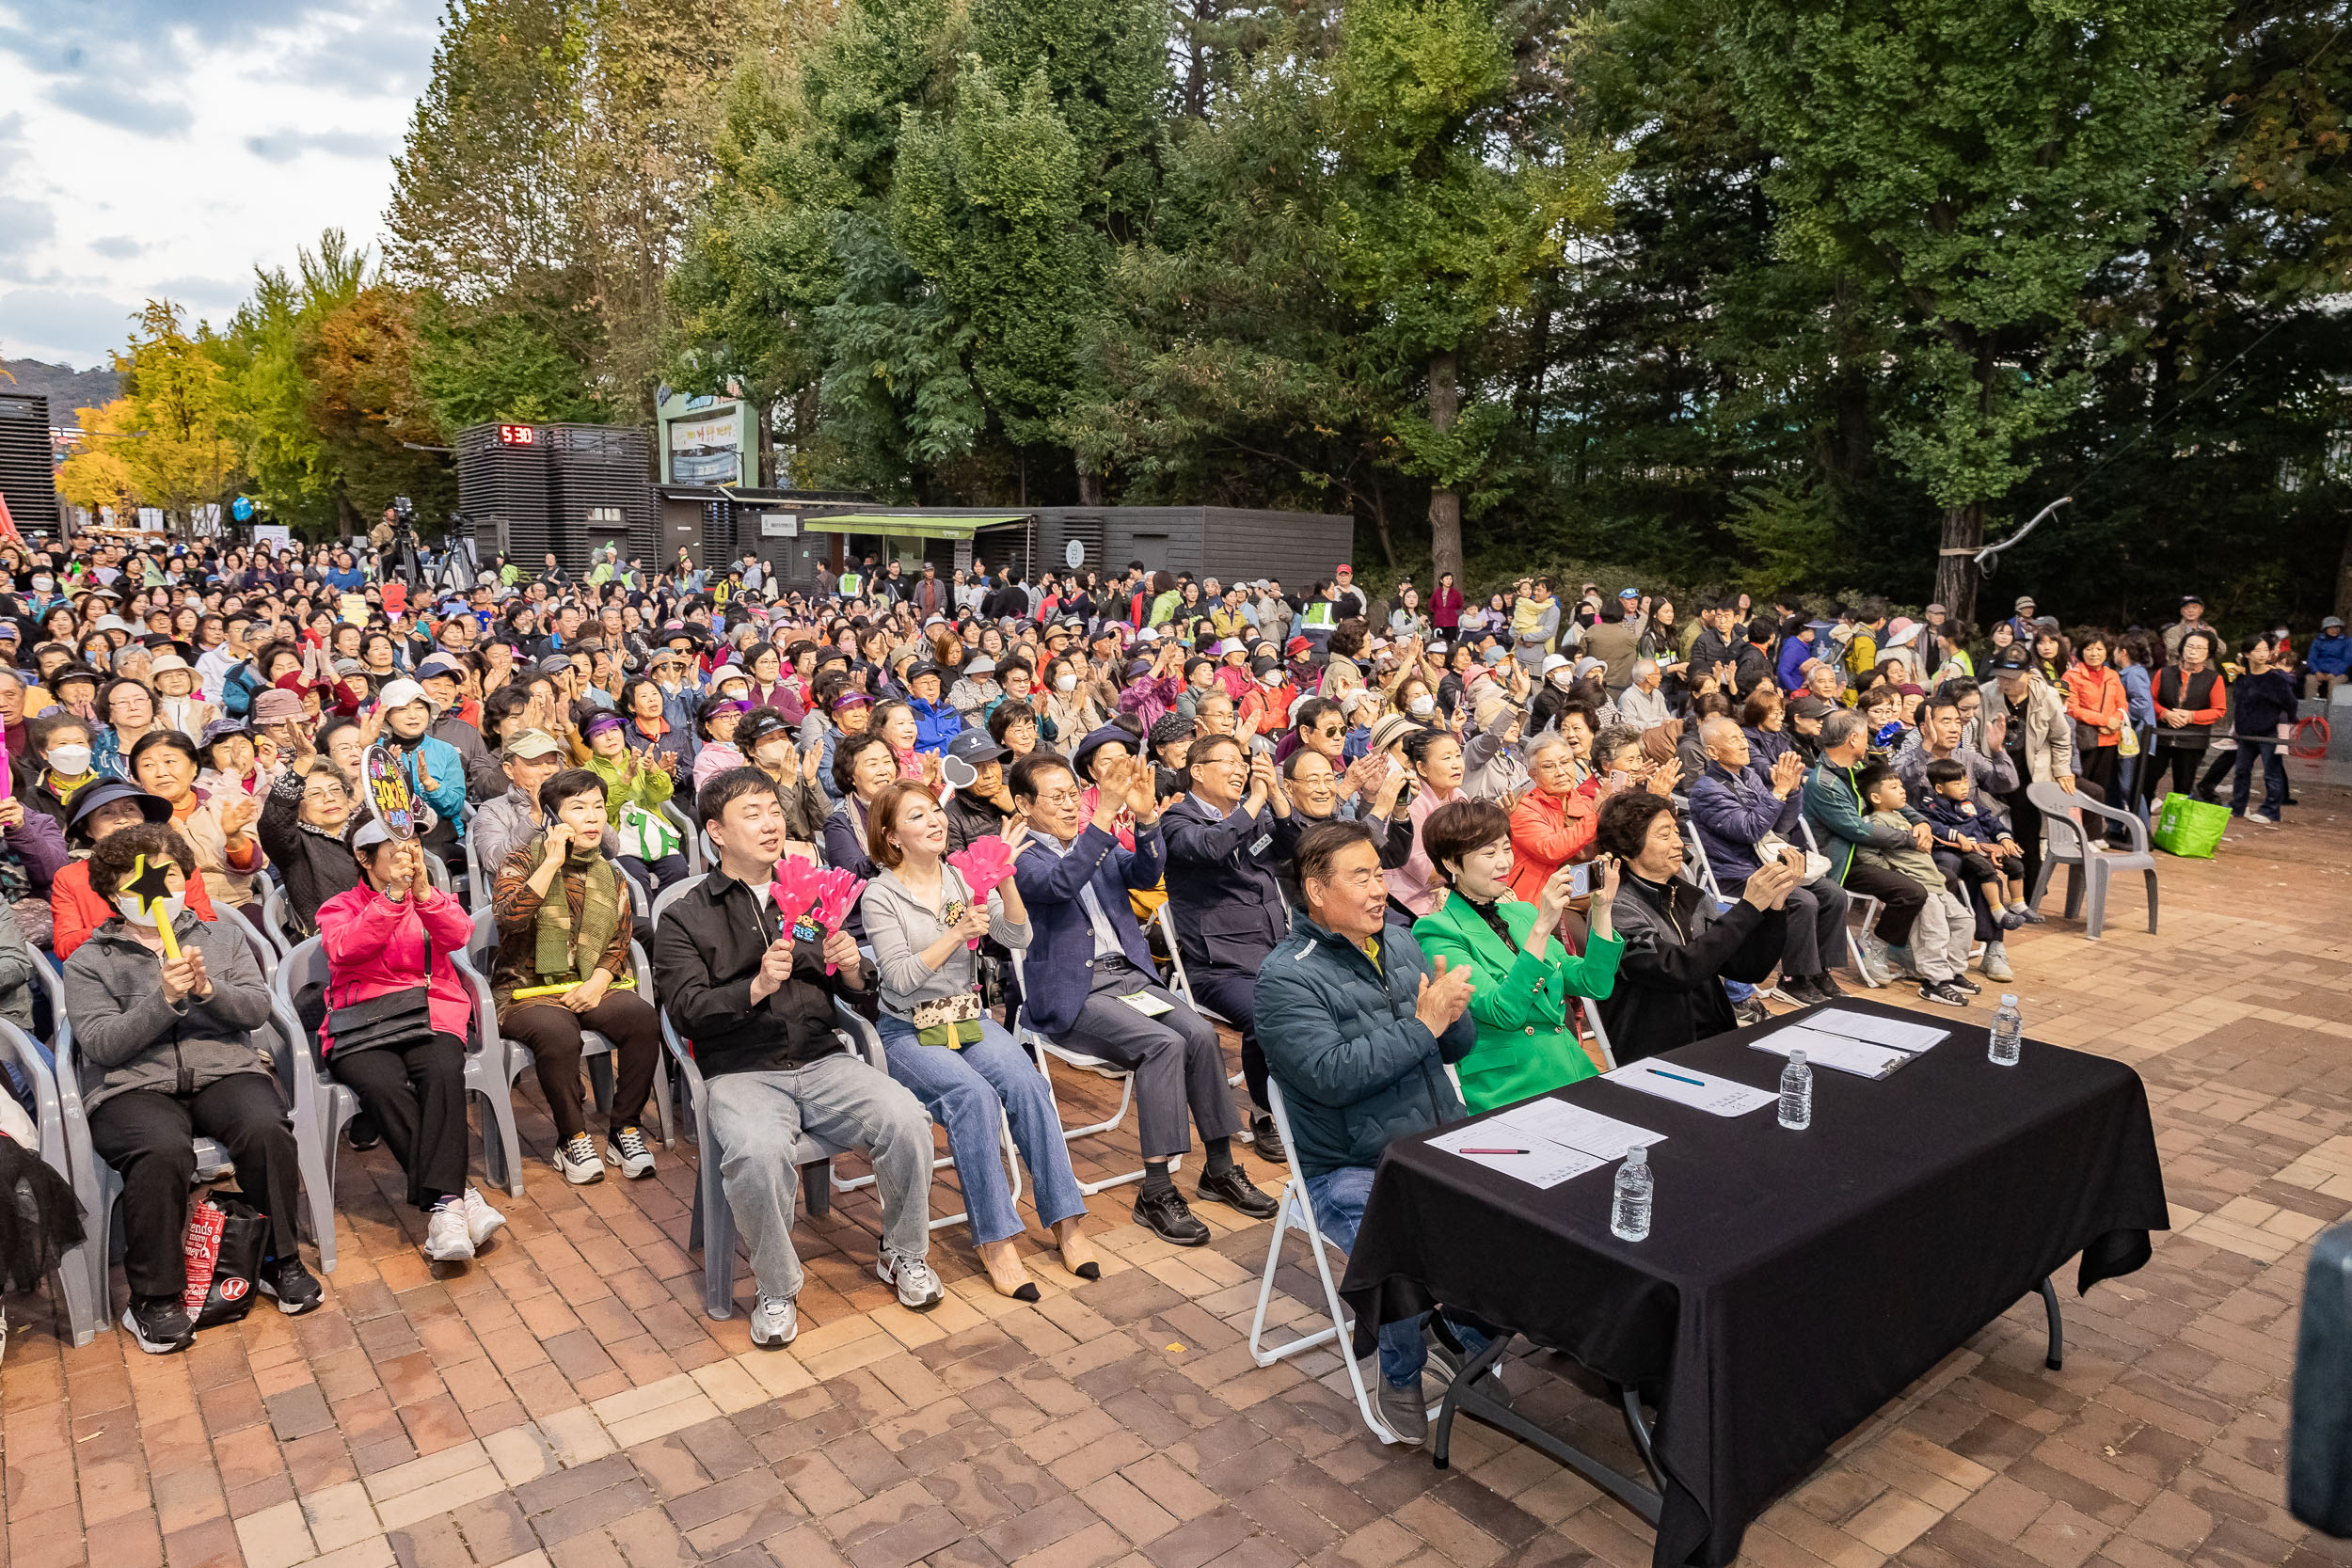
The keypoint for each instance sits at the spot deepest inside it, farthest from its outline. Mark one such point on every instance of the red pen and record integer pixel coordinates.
(1497, 1152)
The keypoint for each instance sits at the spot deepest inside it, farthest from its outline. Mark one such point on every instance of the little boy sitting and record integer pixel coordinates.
(1980, 839)
(1941, 935)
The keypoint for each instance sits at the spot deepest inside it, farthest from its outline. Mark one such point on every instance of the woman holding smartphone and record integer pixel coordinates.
(1523, 975)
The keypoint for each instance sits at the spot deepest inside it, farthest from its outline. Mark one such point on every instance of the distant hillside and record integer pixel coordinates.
(67, 388)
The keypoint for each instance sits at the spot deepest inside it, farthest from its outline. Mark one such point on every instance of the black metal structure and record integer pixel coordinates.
(569, 488)
(27, 478)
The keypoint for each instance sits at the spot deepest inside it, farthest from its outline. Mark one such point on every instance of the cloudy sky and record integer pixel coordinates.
(153, 147)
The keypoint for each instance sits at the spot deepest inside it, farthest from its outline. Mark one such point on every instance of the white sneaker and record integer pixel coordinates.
(445, 1237)
(2258, 816)
(1871, 959)
(1995, 965)
(482, 1221)
(576, 1157)
(627, 1151)
(920, 1289)
(775, 1322)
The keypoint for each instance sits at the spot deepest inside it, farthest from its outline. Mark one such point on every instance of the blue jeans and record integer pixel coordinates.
(2274, 762)
(1338, 1198)
(965, 1090)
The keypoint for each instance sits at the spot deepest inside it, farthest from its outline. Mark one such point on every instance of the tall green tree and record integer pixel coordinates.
(1974, 164)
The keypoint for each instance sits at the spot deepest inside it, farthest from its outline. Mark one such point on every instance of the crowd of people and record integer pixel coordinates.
(1386, 834)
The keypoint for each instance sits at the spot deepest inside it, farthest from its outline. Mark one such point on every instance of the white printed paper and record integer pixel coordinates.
(1537, 1161)
(1876, 1030)
(1688, 1087)
(1602, 1137)
(1858, 1057)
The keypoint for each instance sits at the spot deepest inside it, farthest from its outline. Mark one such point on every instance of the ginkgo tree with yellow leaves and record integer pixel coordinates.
(166, 442)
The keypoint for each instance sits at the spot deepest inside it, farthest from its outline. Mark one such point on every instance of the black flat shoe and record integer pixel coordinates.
(1088, 1270)
(1231, 1187)
(1166, 1215)
(1266, 1140)
(361, 1132)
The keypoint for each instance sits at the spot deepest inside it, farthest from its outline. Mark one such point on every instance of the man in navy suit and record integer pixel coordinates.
(1091, 986)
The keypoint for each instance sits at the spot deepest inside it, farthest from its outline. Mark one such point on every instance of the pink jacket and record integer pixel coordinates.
(375, 946)
(1414, 884)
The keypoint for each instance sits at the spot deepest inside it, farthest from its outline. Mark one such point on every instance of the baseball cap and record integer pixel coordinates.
(2186, 598)
(2012, 657)
(438, 668)
(398, 694)
(527, 745)
(554, 664)
(1938, 610)
(977, 748)
(1628, 592)
(756, 726)
(370, 833)
(1806, 704)
(1344, 569)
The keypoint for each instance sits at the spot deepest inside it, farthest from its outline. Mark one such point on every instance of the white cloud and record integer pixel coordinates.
(165, 147)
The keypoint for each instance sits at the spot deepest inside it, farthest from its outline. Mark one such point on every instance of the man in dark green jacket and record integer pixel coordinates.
(1833, 806)
(1357, 1026)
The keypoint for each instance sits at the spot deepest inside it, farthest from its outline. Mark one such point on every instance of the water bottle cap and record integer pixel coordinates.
(1637, 1155)
(1796, 1057)
(2009, 999)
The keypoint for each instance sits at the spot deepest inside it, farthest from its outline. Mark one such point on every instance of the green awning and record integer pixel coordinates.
(901, 524)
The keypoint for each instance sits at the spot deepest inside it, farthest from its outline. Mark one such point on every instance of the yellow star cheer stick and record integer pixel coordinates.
(150, 885)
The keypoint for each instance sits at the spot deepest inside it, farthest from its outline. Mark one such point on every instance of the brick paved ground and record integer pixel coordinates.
(563, 1403)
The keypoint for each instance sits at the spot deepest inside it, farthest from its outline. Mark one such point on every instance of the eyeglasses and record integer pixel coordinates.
(1062, 797)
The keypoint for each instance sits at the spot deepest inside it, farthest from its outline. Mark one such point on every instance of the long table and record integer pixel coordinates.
(1792, 1282)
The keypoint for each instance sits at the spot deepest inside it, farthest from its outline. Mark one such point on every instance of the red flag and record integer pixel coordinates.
(8, 523)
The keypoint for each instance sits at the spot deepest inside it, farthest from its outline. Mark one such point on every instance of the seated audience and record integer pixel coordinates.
(1745, 816)
(100, 811)
(1358, 1026)
(966, 1068)
(569, 946)
(1834, 809)
(752, 998)
(1678, 946)
(1522, 977)
(303, 818)
(1986, 853)
(1092, 987)
(1939, 940)
(167, 1052)
(398, 1003)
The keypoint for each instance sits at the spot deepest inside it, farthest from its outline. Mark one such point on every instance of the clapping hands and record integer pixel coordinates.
(1444, 997)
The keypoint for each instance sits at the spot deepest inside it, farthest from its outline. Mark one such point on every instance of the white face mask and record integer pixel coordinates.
(1563, 678)
(168, 909)
(1423, 704)
(1271, 678)
(43, 584)
(68, 762)
(1065, 682)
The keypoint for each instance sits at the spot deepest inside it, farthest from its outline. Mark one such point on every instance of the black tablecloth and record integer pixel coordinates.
(1791, 1282)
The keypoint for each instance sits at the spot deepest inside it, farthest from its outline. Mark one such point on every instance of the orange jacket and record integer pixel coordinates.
(1547, 831)
(2094, 696)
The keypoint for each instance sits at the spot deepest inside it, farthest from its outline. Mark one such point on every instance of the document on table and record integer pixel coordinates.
(1688, 1087)
(1876, 1030)
(1821, 1049)
(1574, 1127)
(1537, 1161)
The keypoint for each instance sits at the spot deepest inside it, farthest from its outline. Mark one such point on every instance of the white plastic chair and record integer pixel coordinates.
(1859, 905)
(595, 1051)
(1295, 1202)
(278, 916)
(321, 1105)
(696, 861)
(2087, 865)
(84, 1312)
(1042, 1048)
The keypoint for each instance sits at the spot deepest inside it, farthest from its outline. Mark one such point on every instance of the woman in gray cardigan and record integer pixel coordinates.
(923, 922)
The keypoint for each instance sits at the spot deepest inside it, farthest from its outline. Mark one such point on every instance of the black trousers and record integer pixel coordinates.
(416, 1098)
(625, 1019)
(1232, 993)
(2181, 760)
(1901, 896)
(146, 1133)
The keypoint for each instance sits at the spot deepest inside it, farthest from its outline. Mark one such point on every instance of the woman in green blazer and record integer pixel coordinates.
(1523, 975)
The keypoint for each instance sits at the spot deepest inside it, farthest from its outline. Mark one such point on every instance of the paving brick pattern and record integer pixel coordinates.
(563, 1403)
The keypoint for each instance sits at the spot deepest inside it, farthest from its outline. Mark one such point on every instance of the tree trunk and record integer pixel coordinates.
(1380, 520)
(763, 441)
(1090, 482)
(2343, 578)
(1445, 506)
(1956, 575)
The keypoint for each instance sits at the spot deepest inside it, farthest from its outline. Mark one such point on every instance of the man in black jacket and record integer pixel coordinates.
(1227, 900)
(754, 999)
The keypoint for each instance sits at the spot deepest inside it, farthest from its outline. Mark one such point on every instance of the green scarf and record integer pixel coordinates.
(563, 953)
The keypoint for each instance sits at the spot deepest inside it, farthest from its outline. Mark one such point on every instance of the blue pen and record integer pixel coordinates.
(1676, 1076)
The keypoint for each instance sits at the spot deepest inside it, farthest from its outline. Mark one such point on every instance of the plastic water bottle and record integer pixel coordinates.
(1796, 1093)
(2008, 1032)
(1629, 1217)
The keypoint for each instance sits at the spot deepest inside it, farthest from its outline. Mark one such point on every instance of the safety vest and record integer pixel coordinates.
(1322, 614)
(850, 583)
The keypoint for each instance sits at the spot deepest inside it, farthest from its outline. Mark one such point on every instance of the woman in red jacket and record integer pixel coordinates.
(2095, 700)
(388, 939)
(1445, 607)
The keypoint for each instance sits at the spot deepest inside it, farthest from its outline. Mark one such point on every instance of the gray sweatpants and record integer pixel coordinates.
(1941, 935)
(759, 1118)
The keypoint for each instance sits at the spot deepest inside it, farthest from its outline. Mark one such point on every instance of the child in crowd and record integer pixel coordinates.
(1989, 855)
(1940, 936)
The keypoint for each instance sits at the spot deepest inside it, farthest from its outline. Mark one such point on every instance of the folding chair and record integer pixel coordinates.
(595, 1051)
(1295, 1202)
(1041, 1048)
(436, 872)
(2087, 865)
(85, 1313)
(277, 916)
(1705, 874)
(321, 1105)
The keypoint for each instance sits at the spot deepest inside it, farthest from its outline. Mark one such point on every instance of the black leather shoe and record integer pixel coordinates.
(1166, 1215)
(1827, 988)
(1230, 1186)
(362, 1132)
(1267, 1141)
